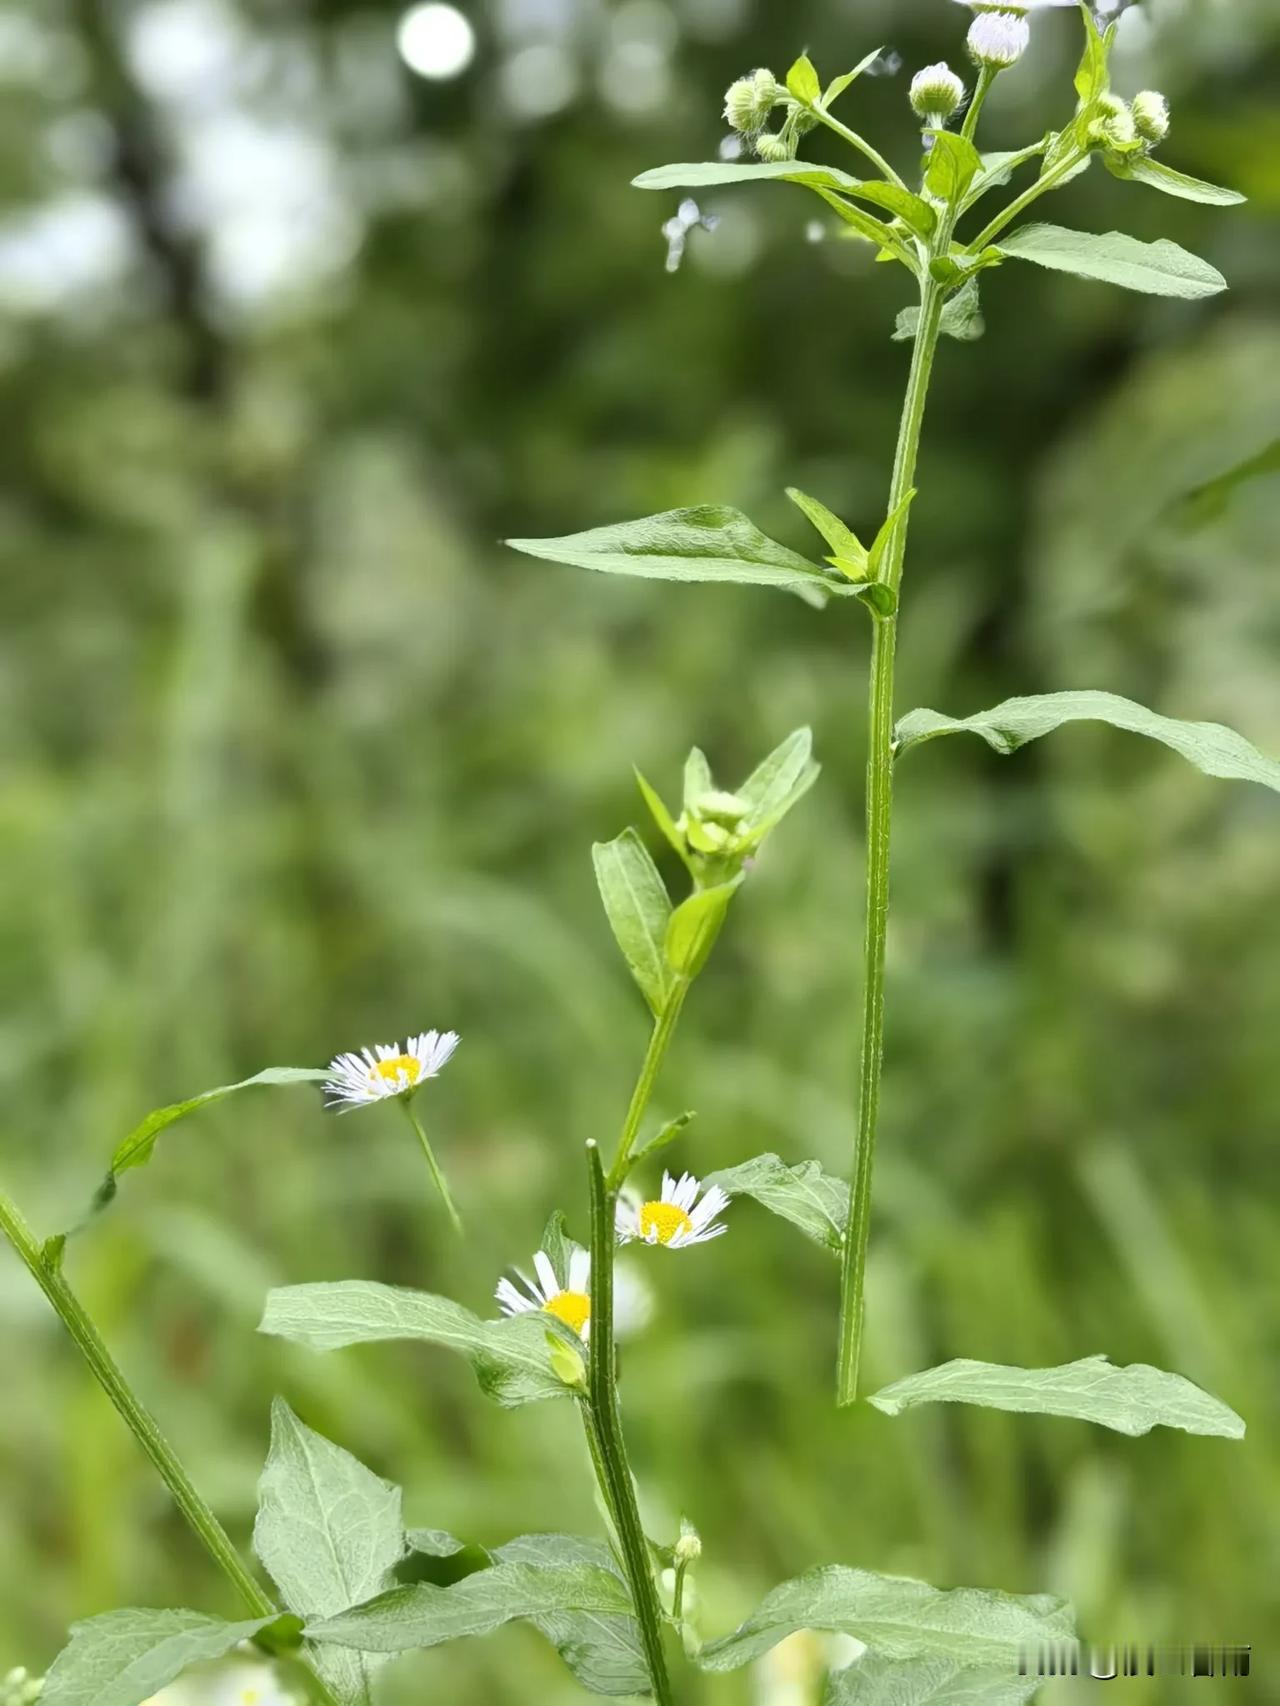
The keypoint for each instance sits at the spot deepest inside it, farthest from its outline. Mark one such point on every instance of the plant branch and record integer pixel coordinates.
(659, 1041)
(1021, 203)
(855, 141)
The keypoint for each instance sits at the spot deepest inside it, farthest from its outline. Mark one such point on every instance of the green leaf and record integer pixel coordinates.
(1159, 269)
(509, 1357)
(866, 225)
(708, 543)
(842, 541)
(875, 1681)
(895, 1616)
(952, 165)
(697, 778)
(814, 1201)
(1130, 1400)
(961, 317)
(779, 781)
(666, 1135)
(558, 1248)
(714, 173)
(662, 817)
(638, 908)
(604, 1651)
(883, 539)
(1145, 170)
(328, 1532)
(1216, 750)
(838, 85)
(998, 169)
(124, 1657)
(695, 925)
(1093, 78)
(803, 82)
(433, 1543)
(423, 1615)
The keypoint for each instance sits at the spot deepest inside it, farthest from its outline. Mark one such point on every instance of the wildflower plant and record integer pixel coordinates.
(352, 1585)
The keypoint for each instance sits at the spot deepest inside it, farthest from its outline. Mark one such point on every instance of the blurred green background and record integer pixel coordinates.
(295, 757)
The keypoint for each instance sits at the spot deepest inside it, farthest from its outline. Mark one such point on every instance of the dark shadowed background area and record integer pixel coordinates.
(296, 757)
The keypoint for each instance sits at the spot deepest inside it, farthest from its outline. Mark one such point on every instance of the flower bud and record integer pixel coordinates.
(1151, 116)
(998, 39)
(1114, 126)
(688, 1549)
(936, 93)
(773, 148)
(750, 100)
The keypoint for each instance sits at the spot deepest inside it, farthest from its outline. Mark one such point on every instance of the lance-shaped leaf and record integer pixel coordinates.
(602, 1649)
(1158, 269)
(814, 1201)
(1211, 747)
(708, 543)
(875, 1681)
(695, 925)
(1093, 78)
(803, 83)
(639, 911)
(125, 1657)
(895, 1616)
(1144, 170)
(712, 173)
(842, 540)
(1130, 1400)
(779, 782)
(422, 1615)
(510, 1357)
(329, 1533)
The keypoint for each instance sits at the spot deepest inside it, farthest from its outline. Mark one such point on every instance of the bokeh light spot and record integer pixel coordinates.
(436, 41)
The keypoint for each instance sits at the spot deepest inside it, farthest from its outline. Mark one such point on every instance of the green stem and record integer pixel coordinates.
(860, 143)
(986, 77)
(617, 1485)
(659, 1041)
(88, 1341)
(879, 823)
(411, 1114)
(1021, 203)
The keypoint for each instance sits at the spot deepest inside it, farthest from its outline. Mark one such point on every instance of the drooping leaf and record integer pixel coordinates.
(695, 925)
(1144, 170)
(1130, 1400)
(952, 166)
(712, 173)
(961, 317)
(779, 781)
(814, 1201)
(803, 82)
(639, 910)
(896, 1617)
(875, 1681)
(328, 1532)
(509, 1357)
(707, 543)
(602, 1649)
(1158, 269)
(422, 1615)
(1211, 747)
(842, 540)
(124, 1657)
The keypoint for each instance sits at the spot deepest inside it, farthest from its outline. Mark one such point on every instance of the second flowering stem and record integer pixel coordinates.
(437, 1173)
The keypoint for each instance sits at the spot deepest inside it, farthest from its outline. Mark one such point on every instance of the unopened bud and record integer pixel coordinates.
(936, 93)
(774, 148)
(1151, 116)
(998, 39)
(688, 1549)
(750, 100)
(1114, 126)
(721, 808)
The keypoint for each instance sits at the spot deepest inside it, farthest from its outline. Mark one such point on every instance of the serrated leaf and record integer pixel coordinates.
(604, 1651)
(875, 1681)
(124, 1657)
(707, 543)
(509, 1357)
(961, 317)
(1158, 269)
(1145, 170)
(1211, 747)
(695, 925)
(842, 540)
(803, 82)
(639, 911)
(423, 1615)
(896, 1617)
(816, 1202)
(952, 165)
(1130, 1400)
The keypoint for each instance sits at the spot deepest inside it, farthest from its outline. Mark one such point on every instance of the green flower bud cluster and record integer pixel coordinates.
(749, 105)
(1122, 129)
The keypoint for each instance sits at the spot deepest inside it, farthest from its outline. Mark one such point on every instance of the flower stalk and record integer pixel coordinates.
(437, 1173)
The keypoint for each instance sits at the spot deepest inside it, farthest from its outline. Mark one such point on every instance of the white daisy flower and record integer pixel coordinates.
(998, 39)
(677, 1218)
(387, 1069)
(569, 1303)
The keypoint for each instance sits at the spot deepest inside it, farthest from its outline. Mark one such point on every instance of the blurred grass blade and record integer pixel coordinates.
(1211, 747)
(1130, 1400)
(124, 1657)
(816, 1202)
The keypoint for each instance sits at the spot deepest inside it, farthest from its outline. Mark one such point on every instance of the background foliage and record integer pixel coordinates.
(296, 757)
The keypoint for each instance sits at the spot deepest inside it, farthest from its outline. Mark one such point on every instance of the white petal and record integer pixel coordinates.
(579, 1270)
(668, 1188)
(512, 1301)
(546, 1275)
(686, 1192)
(714, 1203)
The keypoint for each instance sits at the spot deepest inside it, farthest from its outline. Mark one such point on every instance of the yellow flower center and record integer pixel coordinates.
(571, 1307)
(392, 1069)
(664, 1219)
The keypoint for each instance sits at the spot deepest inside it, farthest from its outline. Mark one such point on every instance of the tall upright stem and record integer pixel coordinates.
(879, 824)
(610, 1452)
(88, 1341)
(659, 1041)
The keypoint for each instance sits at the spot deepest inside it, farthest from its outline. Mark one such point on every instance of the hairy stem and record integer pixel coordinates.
(610, 1453)
(879, 823)
(88, 1341)
(659, 1042)
(441, 1183)
(860, 143)
(1021, 203)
